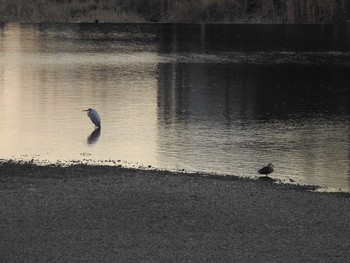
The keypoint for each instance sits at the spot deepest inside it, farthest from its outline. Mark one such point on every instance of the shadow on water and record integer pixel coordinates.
(260, 93)
(94, 136)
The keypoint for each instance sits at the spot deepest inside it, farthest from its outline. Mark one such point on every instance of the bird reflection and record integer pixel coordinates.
(94, 136)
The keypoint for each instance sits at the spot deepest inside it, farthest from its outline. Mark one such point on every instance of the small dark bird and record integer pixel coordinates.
(266, 170)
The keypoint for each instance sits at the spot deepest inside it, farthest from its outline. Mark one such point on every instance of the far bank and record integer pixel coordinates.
(239, 11)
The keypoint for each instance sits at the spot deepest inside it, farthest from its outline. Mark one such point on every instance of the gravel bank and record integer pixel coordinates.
(107, 214)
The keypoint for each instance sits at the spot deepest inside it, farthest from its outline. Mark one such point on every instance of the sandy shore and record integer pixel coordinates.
(108, 214)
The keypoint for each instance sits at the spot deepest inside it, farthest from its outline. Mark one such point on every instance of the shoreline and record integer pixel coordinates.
(85, 213)
(126, 166)
(129, 167)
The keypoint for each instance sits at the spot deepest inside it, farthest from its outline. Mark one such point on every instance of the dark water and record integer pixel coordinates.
(217, 98)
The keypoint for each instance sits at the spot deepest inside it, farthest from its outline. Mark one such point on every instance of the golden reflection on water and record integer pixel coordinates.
(42, 96)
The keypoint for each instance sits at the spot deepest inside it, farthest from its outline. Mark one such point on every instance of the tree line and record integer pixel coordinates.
(174, 11)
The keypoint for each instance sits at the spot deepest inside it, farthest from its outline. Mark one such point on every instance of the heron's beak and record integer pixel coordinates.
(85, 110)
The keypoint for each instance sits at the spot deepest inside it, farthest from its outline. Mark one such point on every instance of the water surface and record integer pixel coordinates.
(200, 97)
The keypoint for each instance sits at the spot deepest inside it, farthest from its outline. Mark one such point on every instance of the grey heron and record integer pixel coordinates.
(94, 117)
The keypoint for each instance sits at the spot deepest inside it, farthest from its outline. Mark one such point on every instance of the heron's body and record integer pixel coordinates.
(94, 117)
(266, 170)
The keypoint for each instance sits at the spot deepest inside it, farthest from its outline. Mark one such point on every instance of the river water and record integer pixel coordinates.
(218, 98)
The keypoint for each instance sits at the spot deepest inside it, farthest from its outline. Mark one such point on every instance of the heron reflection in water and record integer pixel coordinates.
(94, 136)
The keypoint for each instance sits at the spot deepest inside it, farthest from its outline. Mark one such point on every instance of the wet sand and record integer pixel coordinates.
(107, 214)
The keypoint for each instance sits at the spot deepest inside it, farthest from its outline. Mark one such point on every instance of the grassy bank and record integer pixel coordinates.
(280, 11)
